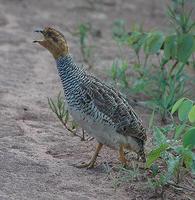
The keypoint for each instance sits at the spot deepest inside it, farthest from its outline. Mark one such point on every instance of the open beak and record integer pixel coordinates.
(39, 31)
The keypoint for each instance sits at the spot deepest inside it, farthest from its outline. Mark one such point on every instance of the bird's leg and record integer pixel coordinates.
(122, 155)
(93, 159)
(142, 156)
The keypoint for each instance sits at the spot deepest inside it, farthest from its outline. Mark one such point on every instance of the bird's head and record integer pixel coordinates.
(54, 41)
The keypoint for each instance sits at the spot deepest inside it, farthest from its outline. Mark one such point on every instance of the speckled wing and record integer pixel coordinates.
(115, 107)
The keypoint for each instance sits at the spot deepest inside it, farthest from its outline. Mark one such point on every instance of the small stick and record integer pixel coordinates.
(180, 186)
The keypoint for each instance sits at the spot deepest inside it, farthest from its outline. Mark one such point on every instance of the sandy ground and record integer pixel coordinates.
(36, 153)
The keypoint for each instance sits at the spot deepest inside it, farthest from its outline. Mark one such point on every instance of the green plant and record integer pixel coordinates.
(58, 107)
(124, 175)
(167, 88)
(161, 73)
(179, 17)
(119, 33)
(174, 146)
(82, 32)
(118, 72)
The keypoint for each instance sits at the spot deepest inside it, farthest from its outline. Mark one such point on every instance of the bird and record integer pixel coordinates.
(97, 107)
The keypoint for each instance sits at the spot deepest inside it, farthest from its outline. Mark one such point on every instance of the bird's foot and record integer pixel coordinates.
(141, 165)
(137, 164)
(87, 165)
(91, 163)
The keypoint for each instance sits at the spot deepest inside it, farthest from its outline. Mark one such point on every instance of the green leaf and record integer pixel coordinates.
(63, 110)
(66, 116)
(153, 42)
(187, 157)
(118, 31)
(194, 42)
(178, 131)
(189, 138)
(191, 115)
(185, 47)
(155, 154)
(114, 71)
(155, 169)
(74, 125)
(139, 85)
(193, 163)
(172, 165)
(159, 137)
(184, 109)
(177, 105)
(170, 47)
(136, 40)
(52, 106)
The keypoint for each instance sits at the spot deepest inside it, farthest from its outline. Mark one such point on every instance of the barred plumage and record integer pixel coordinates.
(100, 109)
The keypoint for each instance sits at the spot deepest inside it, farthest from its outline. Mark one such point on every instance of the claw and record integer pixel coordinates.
(93, 159)
(84, 165)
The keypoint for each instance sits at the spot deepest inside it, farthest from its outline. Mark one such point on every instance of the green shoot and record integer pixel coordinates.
(86, 49)
(161, 75)
(175, 152)
(58, 107)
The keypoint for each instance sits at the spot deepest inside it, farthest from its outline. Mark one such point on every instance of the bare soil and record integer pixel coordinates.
(36, 153)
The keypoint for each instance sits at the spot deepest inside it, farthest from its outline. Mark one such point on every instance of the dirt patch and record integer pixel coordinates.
(36, 153)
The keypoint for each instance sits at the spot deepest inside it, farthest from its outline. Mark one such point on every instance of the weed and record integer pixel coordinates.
(82, 32)
(161, 76)
(118, 72)
(124, 175)
(58, 107)
(179, 18)
(119, 33)
(174, 147)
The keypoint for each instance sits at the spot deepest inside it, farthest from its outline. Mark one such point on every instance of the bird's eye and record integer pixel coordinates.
(49, 34)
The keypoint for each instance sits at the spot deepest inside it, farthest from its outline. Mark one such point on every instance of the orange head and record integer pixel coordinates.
(54, 41)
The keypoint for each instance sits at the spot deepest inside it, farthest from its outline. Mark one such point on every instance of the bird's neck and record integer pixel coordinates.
(70, 74)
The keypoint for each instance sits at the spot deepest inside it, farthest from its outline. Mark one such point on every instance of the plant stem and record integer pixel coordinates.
(173, 67)
(180, 186)
(72, 131)
(138, 58)
(146, 60)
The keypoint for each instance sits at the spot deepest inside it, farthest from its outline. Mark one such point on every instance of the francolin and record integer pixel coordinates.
(98, 108)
